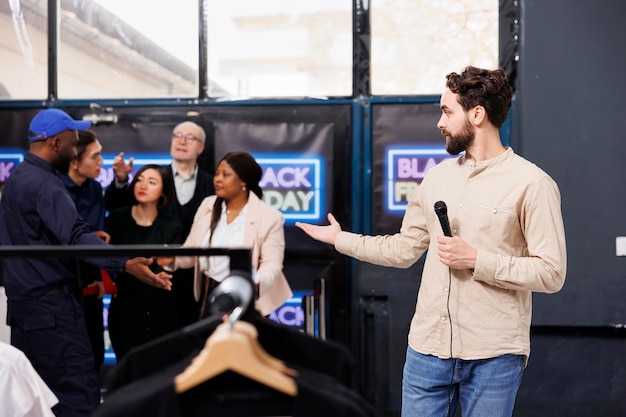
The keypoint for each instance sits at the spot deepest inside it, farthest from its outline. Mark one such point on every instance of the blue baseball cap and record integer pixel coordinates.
(51, 122)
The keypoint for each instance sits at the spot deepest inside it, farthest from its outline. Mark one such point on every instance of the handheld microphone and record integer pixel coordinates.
(442, 212)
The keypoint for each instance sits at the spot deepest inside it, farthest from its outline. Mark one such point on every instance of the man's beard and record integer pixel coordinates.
(462, 140)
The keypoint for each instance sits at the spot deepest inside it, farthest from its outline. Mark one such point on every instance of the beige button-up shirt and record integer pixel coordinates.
(510, 211)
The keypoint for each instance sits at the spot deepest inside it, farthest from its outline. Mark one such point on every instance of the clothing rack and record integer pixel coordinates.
(240, 259)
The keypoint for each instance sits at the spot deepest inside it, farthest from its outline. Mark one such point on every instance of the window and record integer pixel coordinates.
(128, 49)
(279, 48)
(112, 49)
(23, 50)
(416, 43)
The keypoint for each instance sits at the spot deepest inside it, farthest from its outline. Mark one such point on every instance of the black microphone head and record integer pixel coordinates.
(441, 208)
(236, 290)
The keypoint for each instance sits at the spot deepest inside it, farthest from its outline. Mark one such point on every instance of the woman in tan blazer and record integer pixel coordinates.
(237, 217)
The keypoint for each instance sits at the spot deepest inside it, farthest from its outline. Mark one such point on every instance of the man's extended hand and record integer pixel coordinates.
(121, 168)
(138, 267)
(327, 234)
(165, 261)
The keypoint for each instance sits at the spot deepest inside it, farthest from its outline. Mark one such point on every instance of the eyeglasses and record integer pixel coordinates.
(188, 137)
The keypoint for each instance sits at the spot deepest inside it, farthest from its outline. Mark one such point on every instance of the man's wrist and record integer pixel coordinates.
(121, 184)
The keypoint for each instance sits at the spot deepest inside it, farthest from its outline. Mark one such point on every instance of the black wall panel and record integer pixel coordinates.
(570, 120)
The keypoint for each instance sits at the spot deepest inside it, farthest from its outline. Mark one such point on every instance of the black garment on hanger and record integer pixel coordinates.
(280, 341)
(229, 394)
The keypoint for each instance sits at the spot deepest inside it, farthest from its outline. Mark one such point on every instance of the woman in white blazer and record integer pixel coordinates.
(236, 217)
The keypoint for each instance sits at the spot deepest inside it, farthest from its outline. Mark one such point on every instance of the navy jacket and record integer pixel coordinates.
(36, 209)
(89, 202)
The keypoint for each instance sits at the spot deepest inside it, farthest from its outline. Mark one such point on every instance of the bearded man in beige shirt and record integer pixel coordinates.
(469, 339)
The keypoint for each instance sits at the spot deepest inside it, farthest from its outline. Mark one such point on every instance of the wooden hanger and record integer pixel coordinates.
(234, 347)
(249, 331)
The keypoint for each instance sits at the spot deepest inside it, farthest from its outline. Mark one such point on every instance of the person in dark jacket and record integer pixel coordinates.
(140, 313)
(46, 319)
(191, 186)
(86, 193)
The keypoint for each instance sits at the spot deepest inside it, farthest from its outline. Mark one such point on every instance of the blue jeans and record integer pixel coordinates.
(433, 387)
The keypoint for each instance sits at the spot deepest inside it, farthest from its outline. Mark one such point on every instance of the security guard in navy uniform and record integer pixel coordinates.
(46, 319)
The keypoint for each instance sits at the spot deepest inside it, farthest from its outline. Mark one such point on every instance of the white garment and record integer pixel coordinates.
(5, 331)
(225, 236)
(22, 391)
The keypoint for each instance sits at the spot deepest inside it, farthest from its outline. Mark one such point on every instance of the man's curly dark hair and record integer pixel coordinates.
(481, 87)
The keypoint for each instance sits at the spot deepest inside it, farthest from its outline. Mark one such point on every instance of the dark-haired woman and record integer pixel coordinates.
(236, 217)
(140, 313)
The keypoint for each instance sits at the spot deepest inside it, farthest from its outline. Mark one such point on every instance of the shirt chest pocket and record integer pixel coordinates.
(496, 221)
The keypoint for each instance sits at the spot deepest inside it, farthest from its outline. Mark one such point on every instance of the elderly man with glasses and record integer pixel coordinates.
(191, 184)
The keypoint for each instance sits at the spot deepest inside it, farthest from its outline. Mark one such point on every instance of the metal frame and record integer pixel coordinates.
(361, 103)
